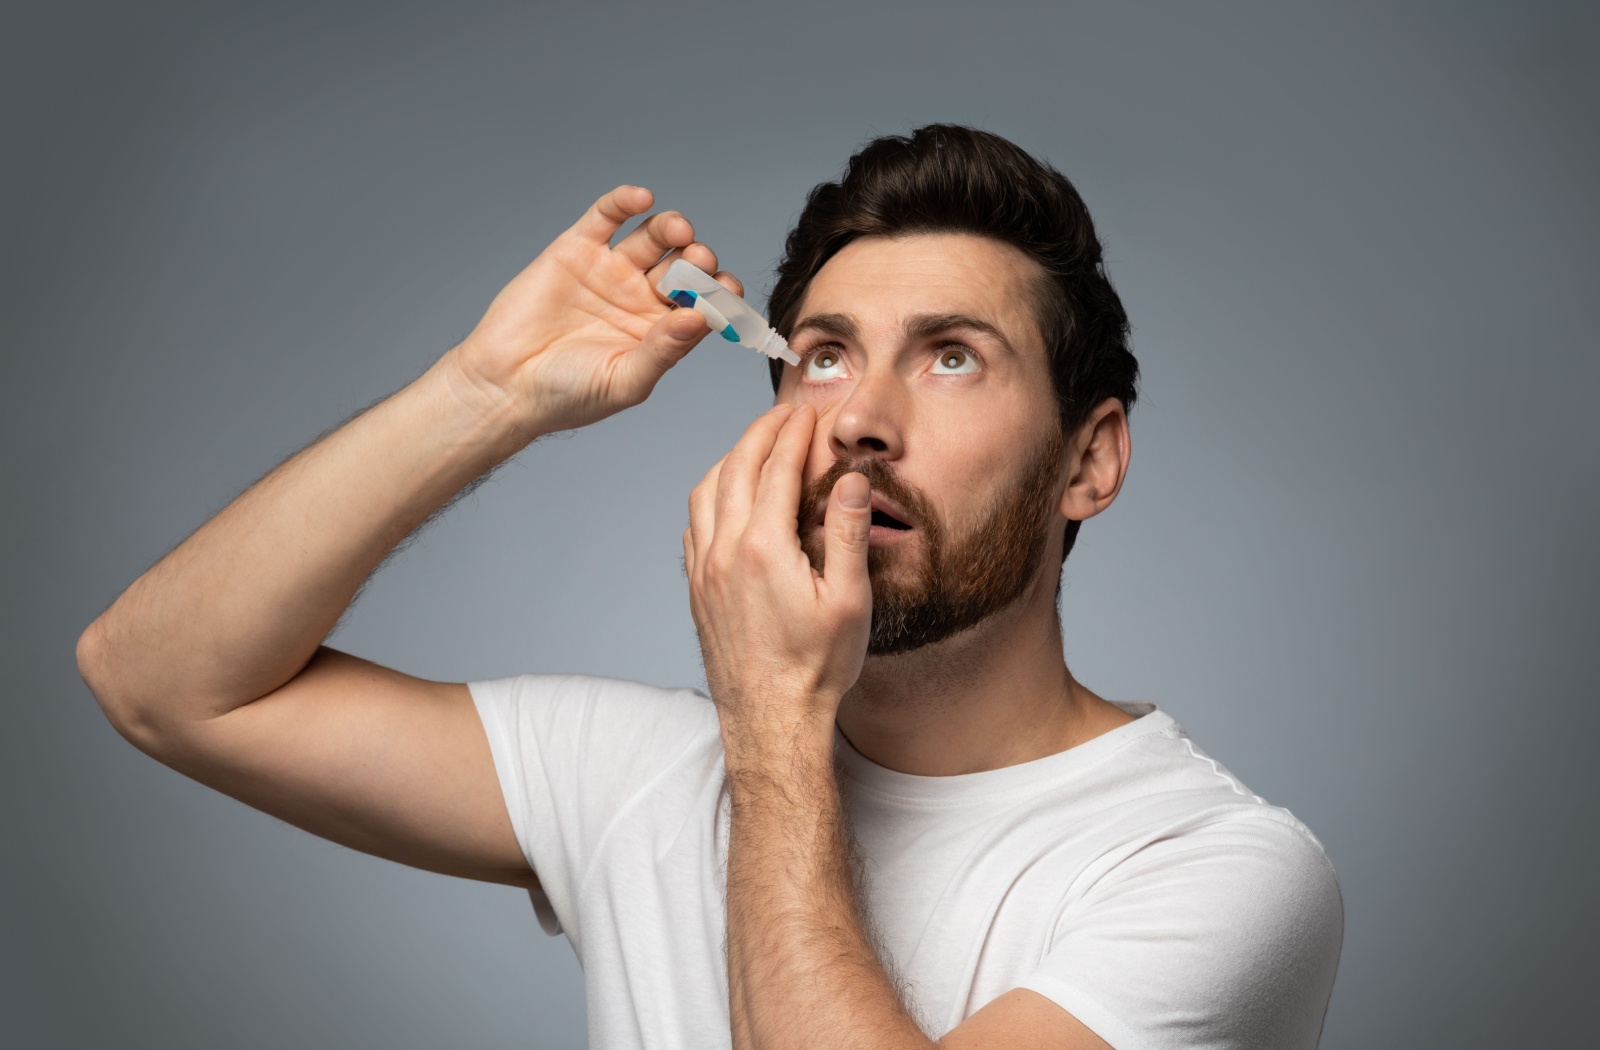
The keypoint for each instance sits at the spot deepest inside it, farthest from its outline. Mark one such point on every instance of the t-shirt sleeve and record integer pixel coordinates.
(1226, 937)
(571, 752)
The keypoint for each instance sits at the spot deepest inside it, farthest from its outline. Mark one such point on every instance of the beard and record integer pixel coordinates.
(957, 580)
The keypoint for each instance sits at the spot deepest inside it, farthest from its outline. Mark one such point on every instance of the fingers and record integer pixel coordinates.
(777, 498)
(656, 242)
(714, 508)
(672, 336)
(702, 517)
(606, 215)
(654, 237)
(848, 529)
(697, 253)
(742, 470)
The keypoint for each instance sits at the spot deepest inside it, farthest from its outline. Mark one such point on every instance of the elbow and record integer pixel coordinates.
(91, 664)
(97, 668)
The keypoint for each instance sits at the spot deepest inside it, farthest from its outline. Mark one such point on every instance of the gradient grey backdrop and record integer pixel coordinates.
(1355, 555)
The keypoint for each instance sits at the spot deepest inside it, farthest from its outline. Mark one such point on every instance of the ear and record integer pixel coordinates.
(1097, 461)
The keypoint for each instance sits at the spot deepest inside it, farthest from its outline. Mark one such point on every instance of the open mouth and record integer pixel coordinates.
(887, 520)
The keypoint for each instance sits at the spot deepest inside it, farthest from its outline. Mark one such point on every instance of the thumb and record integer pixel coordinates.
(849, 525)
(664, 345)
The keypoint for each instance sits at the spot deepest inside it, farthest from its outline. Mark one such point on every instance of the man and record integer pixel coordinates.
(900, 817)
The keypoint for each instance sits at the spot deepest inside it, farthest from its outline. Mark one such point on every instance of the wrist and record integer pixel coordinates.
(485, 414)
(774, 748)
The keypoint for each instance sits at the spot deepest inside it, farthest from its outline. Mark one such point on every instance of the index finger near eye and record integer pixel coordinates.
(742, 468)
(778, 496)
(606, 215)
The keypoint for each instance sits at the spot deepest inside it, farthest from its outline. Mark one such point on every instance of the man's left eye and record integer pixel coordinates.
(954, 361)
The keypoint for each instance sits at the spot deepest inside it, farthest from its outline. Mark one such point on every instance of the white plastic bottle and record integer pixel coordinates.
(727, 314)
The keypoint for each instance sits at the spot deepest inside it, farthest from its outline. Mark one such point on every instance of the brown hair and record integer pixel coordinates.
(948, 178)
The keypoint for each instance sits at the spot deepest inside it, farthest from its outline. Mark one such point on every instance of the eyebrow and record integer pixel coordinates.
(840, 326)
(921, 326)
(924, 326)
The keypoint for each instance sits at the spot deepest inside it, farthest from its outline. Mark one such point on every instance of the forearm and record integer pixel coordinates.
(802, 971)
(241, 606)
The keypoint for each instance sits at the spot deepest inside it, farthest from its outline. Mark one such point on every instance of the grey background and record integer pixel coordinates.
(1355, 555)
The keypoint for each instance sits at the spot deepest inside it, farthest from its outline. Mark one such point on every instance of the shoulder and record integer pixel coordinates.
(590, 699)
(1258, 864)
(1227, 935)
(1215, 919)
(1213, 855)
(1187, 828)
(583, 688)
(574, 728)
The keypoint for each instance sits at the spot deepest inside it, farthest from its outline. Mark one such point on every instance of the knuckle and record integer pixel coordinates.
(854, 540)
(718, 565)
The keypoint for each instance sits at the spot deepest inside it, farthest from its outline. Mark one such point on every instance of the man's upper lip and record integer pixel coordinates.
(882, 503)
(890, 508)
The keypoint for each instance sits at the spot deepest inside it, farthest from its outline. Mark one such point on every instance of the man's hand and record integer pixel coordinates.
(781, 642)
(211, 661)
(582, 333)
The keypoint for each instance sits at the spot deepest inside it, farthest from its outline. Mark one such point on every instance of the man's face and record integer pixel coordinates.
(923, 358)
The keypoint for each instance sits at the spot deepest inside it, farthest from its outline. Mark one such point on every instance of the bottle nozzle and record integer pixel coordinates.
(777, 347)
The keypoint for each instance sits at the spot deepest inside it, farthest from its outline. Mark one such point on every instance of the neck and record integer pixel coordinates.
(996, 695)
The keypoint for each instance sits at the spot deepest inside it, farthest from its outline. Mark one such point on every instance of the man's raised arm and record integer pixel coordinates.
(212, 660)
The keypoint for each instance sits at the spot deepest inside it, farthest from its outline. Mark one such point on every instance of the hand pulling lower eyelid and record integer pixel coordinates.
(727, 314)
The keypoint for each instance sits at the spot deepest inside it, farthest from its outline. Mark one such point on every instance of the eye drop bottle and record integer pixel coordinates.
(728, 315)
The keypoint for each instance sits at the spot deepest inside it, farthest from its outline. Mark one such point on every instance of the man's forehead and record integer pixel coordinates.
(921, 284)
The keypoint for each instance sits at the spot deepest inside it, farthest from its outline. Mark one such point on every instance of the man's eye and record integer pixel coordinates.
(953, 360)
(823, 365)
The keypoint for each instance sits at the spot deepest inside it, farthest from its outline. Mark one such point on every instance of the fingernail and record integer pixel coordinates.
(854, 491)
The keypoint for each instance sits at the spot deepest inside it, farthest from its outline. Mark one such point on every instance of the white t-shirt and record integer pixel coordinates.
(1131, 879)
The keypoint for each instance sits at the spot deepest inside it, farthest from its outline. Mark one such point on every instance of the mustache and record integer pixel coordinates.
(884, 481)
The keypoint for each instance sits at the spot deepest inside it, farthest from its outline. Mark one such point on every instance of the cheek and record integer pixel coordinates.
(824, 397)
(968, 476)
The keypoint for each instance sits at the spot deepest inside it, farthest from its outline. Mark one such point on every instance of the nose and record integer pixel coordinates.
(871, 419)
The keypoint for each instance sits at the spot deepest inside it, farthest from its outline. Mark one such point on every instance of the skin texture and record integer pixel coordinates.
(957, 411)
(927, 583)
(999, 694)
(212, 661)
